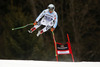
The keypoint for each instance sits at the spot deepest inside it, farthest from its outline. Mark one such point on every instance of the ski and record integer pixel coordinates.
(22, 26)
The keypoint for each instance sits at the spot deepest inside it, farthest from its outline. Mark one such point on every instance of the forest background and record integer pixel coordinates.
(79, 18)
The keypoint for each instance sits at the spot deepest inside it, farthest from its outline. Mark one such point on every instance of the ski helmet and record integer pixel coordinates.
(51, 7)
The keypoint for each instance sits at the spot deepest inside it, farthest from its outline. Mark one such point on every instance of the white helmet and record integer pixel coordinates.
(51, 7)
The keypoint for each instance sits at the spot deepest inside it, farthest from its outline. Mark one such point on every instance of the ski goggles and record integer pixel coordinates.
(51, 9)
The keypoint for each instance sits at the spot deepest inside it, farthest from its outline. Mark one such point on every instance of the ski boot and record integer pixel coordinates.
(31, 30)
(39, 32)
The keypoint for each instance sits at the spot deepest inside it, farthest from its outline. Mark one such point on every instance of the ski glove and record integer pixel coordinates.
(35, 23)
(52, 29)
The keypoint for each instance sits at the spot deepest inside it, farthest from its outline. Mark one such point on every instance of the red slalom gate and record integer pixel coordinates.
(55, 46)
(69, 45)
(61, 49)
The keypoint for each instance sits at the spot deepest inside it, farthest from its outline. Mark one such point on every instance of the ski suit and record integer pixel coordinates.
(47, 19)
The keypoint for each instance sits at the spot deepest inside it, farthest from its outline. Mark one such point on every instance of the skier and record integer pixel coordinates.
(48, 18)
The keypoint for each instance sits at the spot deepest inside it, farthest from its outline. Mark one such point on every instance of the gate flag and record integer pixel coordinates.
(62, 49)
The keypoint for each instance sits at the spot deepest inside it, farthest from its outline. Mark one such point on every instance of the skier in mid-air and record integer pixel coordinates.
(48, 18)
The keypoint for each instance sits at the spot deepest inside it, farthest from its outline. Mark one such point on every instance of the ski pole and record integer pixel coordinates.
(22, 26)
(55, 46)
